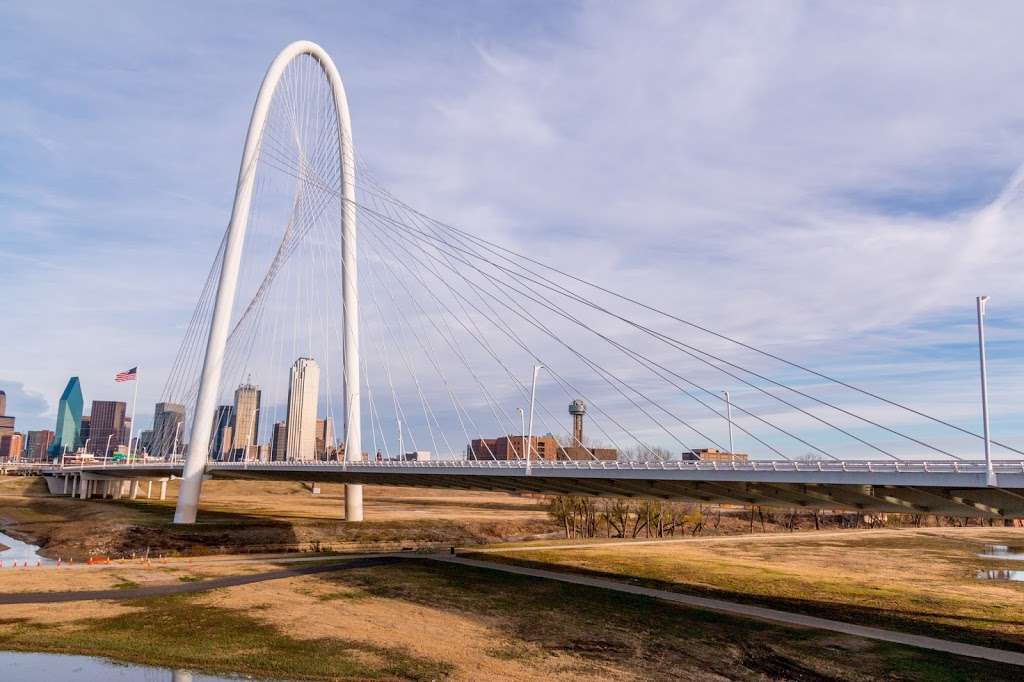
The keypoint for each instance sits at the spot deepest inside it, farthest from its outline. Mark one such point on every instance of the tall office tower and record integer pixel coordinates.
(245, 427)
(6, 423)
(38, 445)
(302, 399)
(67, 435)
(222, 431)
(126, 430)
(105, 421)
(324, 437)
(168, 429)
(146, 441)
(11, 446)
(84, 431)
(279, 443)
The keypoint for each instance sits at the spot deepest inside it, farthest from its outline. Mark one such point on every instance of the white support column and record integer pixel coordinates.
(149, 489)
(135, 489)
(209, 387)
(163, 491)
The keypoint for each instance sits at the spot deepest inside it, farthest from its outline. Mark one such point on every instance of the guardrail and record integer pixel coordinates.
(868, 466)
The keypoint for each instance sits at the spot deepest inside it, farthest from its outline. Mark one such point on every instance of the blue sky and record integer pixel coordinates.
(833, 181)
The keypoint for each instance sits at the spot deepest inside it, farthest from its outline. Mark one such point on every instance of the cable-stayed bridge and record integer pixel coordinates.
(425, 335)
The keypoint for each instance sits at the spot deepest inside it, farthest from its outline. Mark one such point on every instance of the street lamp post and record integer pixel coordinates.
(533, 399)
(106, 449)
(990, 474)
(728, 417)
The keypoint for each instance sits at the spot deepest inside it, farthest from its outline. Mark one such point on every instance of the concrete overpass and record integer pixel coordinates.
(925, 487)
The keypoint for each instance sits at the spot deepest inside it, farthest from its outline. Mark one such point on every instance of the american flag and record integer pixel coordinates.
(127, 375)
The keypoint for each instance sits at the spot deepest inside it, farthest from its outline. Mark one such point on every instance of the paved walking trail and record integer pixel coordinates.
(190, 587)
(363, 561)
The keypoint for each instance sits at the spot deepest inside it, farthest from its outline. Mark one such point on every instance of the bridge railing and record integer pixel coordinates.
(867, 466)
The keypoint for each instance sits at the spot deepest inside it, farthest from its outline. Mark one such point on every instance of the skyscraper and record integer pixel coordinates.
(6, 423)
(324, 437)
(168, 424)
(302, 403)
(279, 443)
(246, 424)
(38, 445)
(84, 432)
(11, 446)
(105, 421)
(222, 431)
(69, 419)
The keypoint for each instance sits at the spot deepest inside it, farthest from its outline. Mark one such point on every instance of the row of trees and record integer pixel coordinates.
(588, 517)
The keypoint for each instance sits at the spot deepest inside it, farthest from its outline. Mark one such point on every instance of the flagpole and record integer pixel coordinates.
(131, 429)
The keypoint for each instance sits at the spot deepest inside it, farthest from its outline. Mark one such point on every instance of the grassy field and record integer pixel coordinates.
(912, 580)
(420, 621)
(417, 620)
(238, 516)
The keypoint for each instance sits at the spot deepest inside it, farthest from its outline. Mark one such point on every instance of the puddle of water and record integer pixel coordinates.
(1001, 574)
(1002, 552)
(31, 667)
(19, 552)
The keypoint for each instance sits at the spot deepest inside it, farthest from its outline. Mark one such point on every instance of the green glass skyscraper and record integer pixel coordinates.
(69, 418)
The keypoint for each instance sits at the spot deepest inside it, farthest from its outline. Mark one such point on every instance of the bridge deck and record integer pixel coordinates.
(949, 488)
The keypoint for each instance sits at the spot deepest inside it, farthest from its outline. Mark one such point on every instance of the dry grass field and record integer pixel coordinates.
(416, 620)
(421, 621)
(922, 580)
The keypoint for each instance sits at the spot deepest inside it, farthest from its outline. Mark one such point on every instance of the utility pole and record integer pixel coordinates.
(533, 399)
(728, 416)
(990, 474)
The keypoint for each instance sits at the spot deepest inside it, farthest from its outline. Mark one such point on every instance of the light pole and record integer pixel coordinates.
(522, 420)
(533, 399)
(728, 417)
(990, 474)
(106, 449)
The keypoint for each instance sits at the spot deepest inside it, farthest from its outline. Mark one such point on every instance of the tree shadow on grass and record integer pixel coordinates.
(969, 629)
(654, 639)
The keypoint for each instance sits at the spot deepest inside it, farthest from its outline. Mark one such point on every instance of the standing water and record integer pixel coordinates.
(29, 667)
(1002, 552)
(19, 553)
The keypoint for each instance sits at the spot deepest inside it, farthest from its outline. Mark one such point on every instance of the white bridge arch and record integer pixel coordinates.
(209, 387)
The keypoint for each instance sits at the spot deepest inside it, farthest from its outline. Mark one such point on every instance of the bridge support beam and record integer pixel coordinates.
(209, 386)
